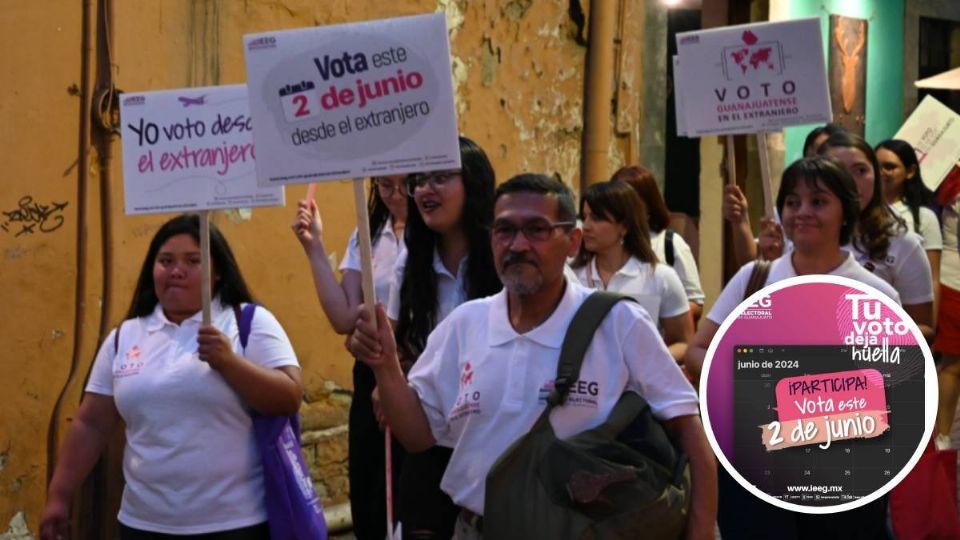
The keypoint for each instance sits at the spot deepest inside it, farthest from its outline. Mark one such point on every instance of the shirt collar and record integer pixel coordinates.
(785, 269)
(441, 270)
(549, 334)
(630, 269)
(158, 319)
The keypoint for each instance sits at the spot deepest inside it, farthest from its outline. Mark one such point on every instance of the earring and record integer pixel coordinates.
(621, 239)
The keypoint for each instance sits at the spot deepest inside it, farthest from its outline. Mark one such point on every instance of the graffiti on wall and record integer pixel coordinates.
(31, 217)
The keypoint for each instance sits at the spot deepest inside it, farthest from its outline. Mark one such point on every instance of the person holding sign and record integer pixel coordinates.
(387, 206)
(447, 262)
(184, 391)
(882, 243)
(616, 256)
(770, 243)
(819, 204)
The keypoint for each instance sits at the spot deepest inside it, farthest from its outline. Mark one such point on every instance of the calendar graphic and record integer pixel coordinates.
(818, 425)
(299, 101)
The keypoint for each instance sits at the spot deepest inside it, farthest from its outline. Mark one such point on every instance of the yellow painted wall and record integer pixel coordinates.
(519, 81)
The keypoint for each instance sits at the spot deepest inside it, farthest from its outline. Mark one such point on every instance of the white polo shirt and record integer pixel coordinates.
(656, 288)
(191, 463)
(482, 385)
(930, 235)
(683, 263)
(386, 249)
(451, 289)
(906, 267)
(732, 295)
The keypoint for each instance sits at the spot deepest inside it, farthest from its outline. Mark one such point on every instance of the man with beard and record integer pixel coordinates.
(487, 369)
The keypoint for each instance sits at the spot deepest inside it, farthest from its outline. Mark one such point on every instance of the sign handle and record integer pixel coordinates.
(765, 175)
(366, 258)
(205, 264)
(370, 301)
(311, 191)
(731, 161)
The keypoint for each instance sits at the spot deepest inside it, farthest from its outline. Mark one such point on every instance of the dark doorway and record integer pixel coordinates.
(939, 51)
(682, 163)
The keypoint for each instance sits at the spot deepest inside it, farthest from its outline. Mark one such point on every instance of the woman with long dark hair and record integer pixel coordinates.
(911, 200)
(616, 255)
(387, 208)
(447, 262)
(184, 391)
(663, 239)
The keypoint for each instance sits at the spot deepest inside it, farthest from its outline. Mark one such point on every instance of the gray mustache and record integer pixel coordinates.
(516, 258)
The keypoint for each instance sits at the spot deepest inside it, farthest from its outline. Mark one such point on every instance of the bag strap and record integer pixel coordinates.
(668, 246)
(577, 339)
(758, 277)
(244, 322)
(116, 340)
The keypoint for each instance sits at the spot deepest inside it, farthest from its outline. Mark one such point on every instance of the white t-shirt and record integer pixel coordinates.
(656, 288)
(386, 249)
(732, 295)
(191, 463)
(930, 235)
(683, 263)
(451, 290)
(949, 258)
(482, 385)
(906, 267)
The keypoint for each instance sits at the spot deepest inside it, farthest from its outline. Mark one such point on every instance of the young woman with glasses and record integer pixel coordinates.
(387, 205)
(448, 261)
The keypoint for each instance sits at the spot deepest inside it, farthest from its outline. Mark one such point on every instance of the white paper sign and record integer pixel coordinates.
(352, 100)
(753, 77)
(934, 131)
(190, 149)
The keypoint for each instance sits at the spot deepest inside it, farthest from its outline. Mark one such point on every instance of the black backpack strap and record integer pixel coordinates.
(668, 246)
(758, 277)
(575, 343)
(116, 339)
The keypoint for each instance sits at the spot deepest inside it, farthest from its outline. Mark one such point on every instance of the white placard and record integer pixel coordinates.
(352, 100)
(188, 150)
(934, 131)
(753, 78)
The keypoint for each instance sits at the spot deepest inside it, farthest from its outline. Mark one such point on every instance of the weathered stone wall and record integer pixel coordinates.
(518, 69)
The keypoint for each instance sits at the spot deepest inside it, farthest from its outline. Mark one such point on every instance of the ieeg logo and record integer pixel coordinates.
(762, 309)
(265, 42)
(134, 100)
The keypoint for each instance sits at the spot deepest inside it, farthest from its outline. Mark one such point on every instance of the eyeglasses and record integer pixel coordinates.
(535, 231)
(386, 187)
(437, 180)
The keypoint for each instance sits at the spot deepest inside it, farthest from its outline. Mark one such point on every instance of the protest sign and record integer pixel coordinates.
(934, 132)
(753, 78)
(352, 100)
(189, 150)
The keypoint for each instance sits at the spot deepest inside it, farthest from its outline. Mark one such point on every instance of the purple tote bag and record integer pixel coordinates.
(294, 511)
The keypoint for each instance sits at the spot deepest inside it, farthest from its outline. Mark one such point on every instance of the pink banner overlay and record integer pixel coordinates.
(813, 314)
